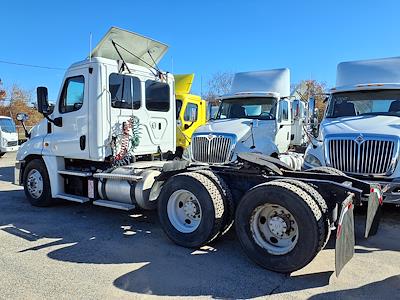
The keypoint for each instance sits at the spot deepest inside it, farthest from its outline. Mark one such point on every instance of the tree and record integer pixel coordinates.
(219, 84)
(3, 93)
(311, 88)
(19, 101)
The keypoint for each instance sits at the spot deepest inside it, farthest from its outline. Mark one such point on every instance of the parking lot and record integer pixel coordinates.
(74, 251)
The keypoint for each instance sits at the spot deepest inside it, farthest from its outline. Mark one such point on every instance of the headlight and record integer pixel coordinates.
(4, 142)
(312, 160)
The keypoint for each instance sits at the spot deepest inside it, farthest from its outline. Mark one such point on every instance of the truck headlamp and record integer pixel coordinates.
(312, 160)
(3, 142)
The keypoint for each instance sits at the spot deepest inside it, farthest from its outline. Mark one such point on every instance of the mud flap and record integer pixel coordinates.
(375, 200)
(345, 241)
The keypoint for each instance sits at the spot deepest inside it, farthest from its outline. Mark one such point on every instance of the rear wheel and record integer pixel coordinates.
(319, 200)
(37, 184)
(279, 226)
(191, 209)
(229, 205)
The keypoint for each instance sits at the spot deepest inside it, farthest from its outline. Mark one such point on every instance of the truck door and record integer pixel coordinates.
(71, 138)
(284, 124)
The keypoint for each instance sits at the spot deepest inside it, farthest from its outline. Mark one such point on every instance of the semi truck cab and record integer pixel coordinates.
(258, 116)
(8, 136)
(191, 111)
(360, 132)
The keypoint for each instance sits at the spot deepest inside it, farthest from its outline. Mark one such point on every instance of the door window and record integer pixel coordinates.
(72, 94)
(283, 111)
(191, 112)
(157, 96)
(125, 91)
(178, 107)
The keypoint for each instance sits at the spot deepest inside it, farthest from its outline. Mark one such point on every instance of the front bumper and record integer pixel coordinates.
(9, 149)
(18, 173)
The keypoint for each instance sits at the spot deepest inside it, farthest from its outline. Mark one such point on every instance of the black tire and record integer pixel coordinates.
(2, 153)
(320, 202)
(326, 170)
(229, 205)
(308, 216)
(45, 199)
(211, 203)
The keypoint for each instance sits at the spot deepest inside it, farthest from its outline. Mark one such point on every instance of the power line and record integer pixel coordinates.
(31, 66)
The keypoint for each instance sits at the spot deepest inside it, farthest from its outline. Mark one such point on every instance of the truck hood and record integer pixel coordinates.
(376, 125)
(241, 128)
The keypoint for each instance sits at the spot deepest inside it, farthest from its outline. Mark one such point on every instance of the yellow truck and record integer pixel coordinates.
(191, 111)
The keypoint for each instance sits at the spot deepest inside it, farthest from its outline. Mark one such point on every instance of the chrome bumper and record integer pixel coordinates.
(17, 173)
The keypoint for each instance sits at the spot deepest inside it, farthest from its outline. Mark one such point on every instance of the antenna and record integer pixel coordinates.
(90, 47)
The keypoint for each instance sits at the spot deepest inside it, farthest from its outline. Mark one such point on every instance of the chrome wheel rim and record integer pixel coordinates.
(274, 228)
(184, 211)
(35, 184)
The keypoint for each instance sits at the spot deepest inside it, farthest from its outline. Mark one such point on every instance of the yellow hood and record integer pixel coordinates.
(183, 83)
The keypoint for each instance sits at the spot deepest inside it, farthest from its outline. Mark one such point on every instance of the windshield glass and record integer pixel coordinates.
(381, 102)
(261, 108)
(7, 125)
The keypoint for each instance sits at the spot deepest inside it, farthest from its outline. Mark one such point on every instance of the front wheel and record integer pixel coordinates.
(2, 153)
(37, 184)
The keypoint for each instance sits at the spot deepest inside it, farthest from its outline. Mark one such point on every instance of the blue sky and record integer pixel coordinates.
(310, 37)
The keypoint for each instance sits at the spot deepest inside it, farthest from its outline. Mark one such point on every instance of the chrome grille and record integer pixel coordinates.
(12, 143)
(212, 149)
(362, 155)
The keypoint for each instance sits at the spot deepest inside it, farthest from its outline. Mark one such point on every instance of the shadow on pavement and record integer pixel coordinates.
(7, 174)
(95, 235)
(390, 285)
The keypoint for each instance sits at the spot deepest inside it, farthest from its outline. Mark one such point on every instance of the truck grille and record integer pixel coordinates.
(212, 149)
(361, 155)
(12, 144)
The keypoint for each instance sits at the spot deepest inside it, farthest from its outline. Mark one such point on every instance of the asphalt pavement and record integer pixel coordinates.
(75, 251)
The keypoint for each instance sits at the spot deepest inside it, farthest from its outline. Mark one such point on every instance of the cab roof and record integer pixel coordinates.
(383, 73)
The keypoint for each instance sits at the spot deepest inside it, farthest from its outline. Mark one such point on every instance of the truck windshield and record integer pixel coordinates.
(381, 102)
(261, 108)
(7, 125)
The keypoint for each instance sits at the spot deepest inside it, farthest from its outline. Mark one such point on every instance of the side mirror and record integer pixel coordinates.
(22, 117)
(42, 100)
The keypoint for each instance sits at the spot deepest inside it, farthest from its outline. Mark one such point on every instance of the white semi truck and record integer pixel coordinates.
(8, 135)
(104, 140)
(258, 115)
(360, 132)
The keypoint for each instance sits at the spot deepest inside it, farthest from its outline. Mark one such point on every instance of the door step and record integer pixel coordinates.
(133, 178)
(113, 204)
(73, 198)
(75, 173)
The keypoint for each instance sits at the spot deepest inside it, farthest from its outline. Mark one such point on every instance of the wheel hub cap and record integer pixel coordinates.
(35, 183)
(274, 228)
(277, 225)
(184, 211)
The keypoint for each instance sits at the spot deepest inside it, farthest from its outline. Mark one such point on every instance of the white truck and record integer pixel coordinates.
(360, 132)
(8, 136)
(103, 143)
(258, 115)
